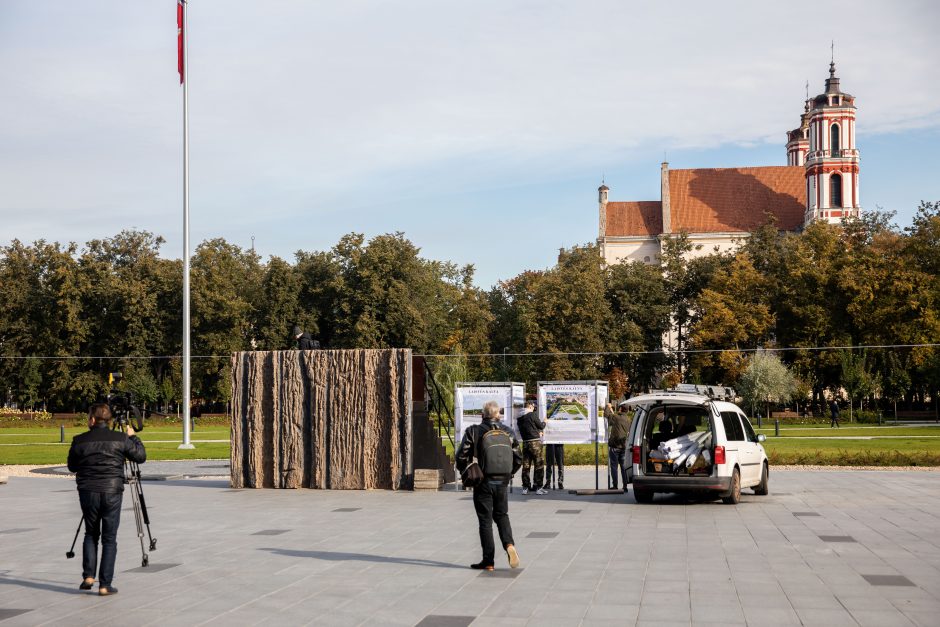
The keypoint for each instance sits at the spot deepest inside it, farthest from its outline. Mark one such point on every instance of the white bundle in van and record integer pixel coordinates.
(707, 456)
(691, 452)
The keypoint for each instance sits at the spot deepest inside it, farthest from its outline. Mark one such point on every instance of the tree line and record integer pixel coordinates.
(72, 314)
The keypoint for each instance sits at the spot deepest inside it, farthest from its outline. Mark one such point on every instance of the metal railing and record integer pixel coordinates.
(438, 404)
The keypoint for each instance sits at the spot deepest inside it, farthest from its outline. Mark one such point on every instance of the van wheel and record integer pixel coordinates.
(735, 497)
(763, 488)
(643, 496)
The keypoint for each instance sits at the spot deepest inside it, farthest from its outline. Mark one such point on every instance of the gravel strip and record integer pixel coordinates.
(14, 470)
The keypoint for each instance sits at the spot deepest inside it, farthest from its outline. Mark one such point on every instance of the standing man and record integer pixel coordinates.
(304, 341)
(97, 459)
(493, 446)
(834, 411)
(618, 429)
(530, 430)
(554, 459)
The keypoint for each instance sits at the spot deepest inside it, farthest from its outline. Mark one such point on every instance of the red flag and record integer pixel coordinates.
(179, 38)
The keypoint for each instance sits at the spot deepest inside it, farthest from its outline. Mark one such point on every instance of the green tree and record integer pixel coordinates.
(858, 380)
(732, 313)
(766, 380)
(225, 286)
(640, 314)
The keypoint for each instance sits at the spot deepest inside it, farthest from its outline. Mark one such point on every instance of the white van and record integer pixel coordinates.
(686, 442)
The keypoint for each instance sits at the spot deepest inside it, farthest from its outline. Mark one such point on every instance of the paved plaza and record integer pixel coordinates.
(826, 548)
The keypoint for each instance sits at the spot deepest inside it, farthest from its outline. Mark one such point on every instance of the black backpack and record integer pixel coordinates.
(496, 455)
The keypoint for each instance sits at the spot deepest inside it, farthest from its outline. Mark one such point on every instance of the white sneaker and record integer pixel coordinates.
(525, 490)
(540, 491)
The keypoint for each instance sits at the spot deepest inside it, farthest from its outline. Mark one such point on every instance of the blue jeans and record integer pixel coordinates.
(102, 513)
(617, 459)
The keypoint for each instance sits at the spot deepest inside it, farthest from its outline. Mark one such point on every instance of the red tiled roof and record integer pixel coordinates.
(735, 199)
(641, 218)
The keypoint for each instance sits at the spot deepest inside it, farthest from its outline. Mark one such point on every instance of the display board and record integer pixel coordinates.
(570, 410)
(469, 399)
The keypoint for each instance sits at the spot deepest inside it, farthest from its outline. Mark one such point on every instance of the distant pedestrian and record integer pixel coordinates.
(554, 466)
(618, 429)
(493, 446)
(531, 429)
(304, 341)
(834, 413)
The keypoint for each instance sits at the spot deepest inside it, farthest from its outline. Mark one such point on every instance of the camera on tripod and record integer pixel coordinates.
(123, 410)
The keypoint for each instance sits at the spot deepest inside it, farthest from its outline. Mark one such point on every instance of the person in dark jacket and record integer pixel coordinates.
(554, 466)
(491, 496)
(97, 459)
(530, 430)
(304, 341)
(834, 414)
(618, 429)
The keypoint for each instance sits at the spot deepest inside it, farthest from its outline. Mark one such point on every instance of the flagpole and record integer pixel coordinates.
(186, 319)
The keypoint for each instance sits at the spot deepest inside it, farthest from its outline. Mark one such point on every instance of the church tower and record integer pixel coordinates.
(798, 140)
(831, 158)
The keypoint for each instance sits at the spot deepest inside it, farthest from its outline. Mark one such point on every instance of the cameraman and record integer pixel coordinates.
(97, 459)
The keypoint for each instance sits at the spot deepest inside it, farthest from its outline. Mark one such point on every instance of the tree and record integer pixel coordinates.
(733, 313)
(640, 313)
(30, 382)
(766, 380)
(686, 277)
(225, 287)
(857, 378)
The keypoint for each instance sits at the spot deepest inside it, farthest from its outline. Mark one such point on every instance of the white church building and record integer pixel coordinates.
(718, 207)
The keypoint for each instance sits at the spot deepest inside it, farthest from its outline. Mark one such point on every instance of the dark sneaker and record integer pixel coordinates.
(106, 591)
(561, 486)
(86, 584)
(481, 566)
(513, 556)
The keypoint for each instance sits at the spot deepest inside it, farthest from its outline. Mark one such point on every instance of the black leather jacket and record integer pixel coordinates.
(97, 458)
(530, 427)
(469, 448)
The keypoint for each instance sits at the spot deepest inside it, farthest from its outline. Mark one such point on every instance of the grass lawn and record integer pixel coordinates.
(40, 445)
(803, 444)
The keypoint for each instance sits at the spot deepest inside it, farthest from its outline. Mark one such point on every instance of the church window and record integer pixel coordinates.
(834, 139)
(835, 190)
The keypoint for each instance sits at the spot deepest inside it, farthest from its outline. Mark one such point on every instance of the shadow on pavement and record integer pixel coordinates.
(360, 557)
(39, 585)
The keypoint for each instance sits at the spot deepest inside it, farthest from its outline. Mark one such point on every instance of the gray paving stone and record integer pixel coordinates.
(880, 618)
(613, 563)
(11, 612)
(888, 580)
(440, 620)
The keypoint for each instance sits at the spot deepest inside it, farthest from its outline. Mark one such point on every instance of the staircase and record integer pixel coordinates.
(427, 449)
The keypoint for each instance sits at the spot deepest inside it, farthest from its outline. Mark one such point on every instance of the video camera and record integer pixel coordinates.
(121, 403)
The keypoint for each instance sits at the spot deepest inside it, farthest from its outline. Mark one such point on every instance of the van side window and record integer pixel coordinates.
(732, 424)
(748, 429)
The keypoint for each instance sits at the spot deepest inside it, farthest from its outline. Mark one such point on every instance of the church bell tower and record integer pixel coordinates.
(831, 156)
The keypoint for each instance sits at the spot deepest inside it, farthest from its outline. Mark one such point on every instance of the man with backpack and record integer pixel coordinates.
(493, 447)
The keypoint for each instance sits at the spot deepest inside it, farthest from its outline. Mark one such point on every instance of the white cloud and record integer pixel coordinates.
(303, 108)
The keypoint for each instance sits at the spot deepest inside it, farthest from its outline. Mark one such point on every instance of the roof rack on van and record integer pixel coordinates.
(715, 392)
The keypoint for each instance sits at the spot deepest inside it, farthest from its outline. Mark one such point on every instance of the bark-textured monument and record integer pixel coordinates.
(338, 419)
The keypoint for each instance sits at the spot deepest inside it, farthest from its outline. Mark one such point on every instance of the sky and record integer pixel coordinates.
(481, 130)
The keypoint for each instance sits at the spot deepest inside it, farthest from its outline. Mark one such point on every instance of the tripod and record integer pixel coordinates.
(141, 517)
